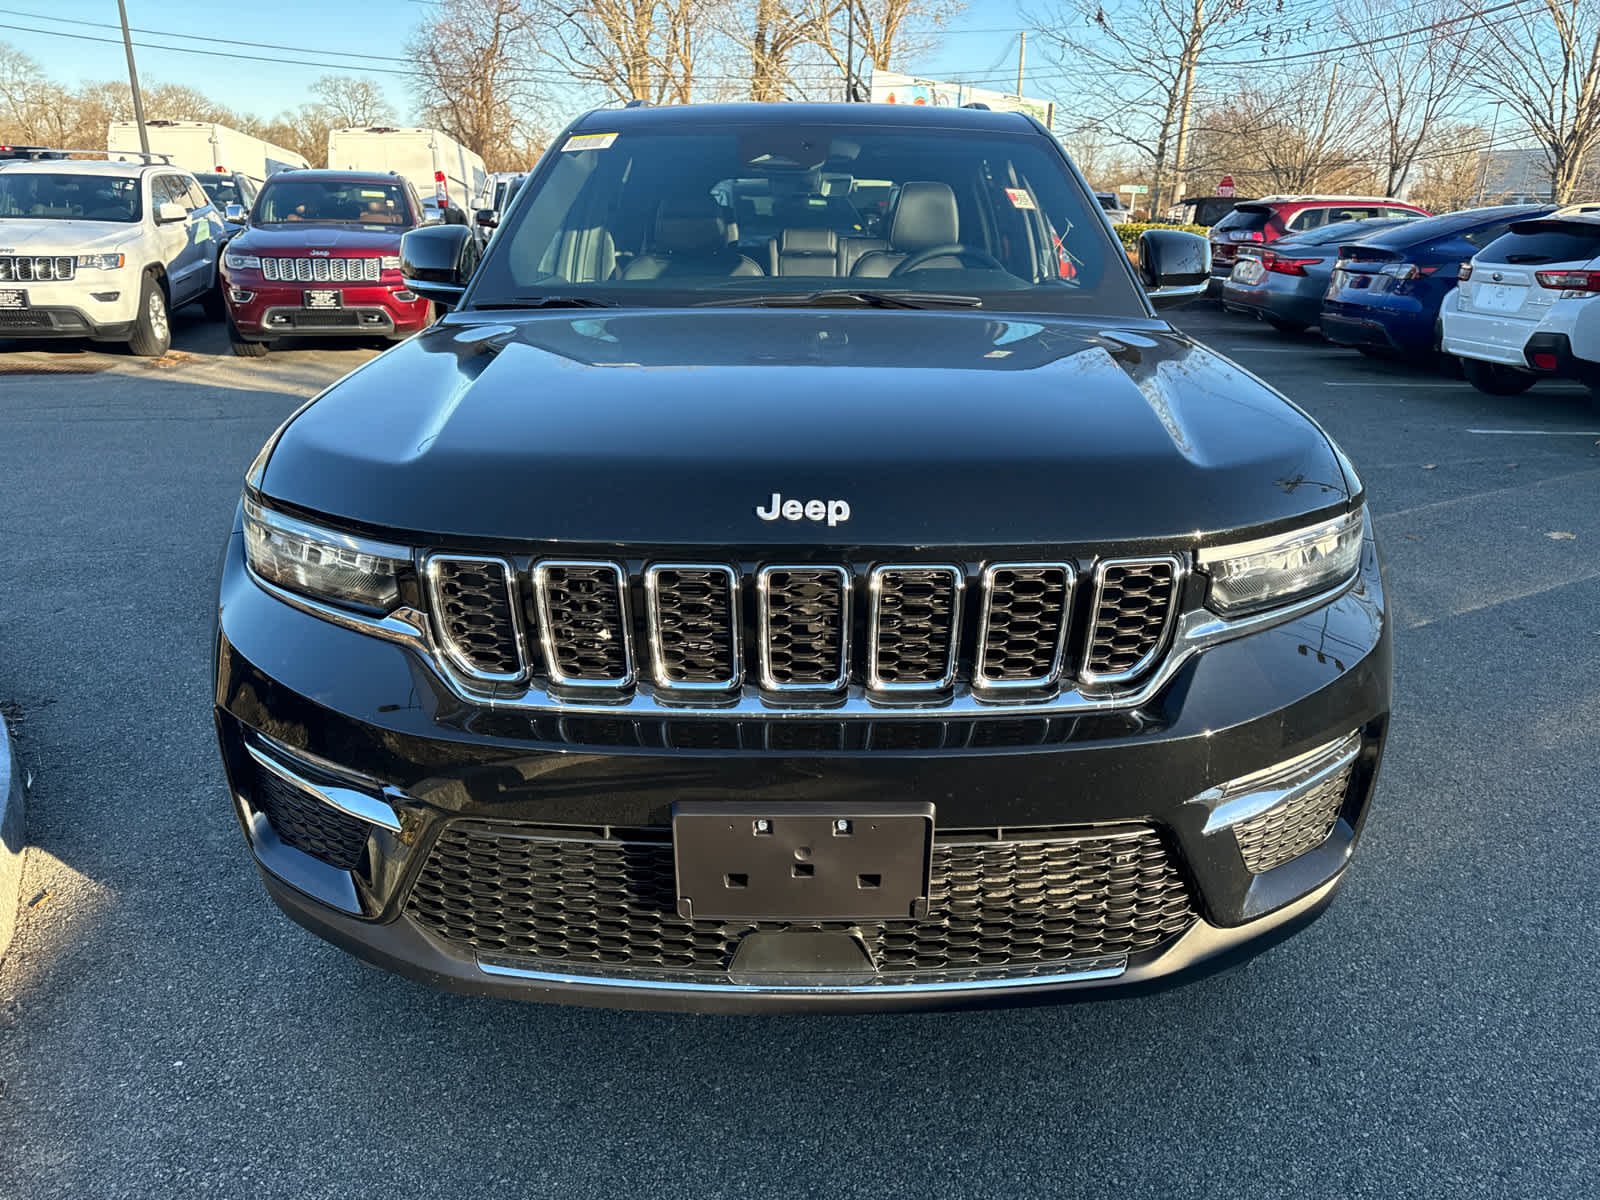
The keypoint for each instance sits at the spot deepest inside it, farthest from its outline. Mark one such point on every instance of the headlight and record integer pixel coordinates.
(242, 262)
(1277, 570)
(321, 562)
(101, 262)
(391, 262)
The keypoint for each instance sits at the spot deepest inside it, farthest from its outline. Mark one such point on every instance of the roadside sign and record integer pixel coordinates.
(1138, 189)
(1225, 186)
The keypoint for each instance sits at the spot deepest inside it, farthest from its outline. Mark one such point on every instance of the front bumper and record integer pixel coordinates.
(276, 310)
(98, 305)
(375, 724)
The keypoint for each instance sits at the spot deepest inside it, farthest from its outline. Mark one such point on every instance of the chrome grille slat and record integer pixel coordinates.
(37, 268)
(693, 625)
(804, 620)
(915, 627)
(476, 608)
(322, 270)
(1135, 606)
(583, 622)
(1023, 628)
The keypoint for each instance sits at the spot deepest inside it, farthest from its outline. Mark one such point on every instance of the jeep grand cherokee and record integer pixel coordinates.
(825, 619)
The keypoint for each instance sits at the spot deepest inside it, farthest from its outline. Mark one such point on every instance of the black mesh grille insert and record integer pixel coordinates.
(993, 904)
(804, 614)
(341, 319)
(693, 625)
(1023, 635)
(916, 625)
(11, 318)
(1133, 603)
(472, 602)
(1291, 829)
(586, 632)
(308, 824)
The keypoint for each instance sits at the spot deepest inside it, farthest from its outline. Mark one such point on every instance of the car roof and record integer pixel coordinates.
(82, 166)
(916, 116)
(1445, 224)
(329, 175)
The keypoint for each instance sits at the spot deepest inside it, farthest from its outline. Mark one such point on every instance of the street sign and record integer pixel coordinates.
(1138, 189)
(1225, 186)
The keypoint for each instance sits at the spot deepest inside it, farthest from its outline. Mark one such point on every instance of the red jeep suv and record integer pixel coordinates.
(1253, 222)
(321, 255)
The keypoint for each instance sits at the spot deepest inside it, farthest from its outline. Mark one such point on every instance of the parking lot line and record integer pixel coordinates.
(1540, 432)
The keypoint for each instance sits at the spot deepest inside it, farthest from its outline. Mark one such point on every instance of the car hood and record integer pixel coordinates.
(301, 238)
(675, 426)
(64, 237)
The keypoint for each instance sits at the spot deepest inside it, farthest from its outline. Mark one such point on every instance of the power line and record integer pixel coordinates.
(1388, 37)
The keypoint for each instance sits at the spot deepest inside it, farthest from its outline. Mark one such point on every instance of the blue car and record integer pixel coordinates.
(1384, 293)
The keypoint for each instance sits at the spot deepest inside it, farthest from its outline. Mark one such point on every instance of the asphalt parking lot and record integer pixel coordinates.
(163, 1030)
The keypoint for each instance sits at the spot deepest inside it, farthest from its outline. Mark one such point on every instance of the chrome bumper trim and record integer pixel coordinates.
(1241, 799)
(347, 800)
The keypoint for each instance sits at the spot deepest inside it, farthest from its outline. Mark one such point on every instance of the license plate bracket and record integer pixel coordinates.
(323, 298)
(822, 861)
(13, 299)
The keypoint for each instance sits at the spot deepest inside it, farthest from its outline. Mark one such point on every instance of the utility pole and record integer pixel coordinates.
(1483, 179)
(133, 80)
(1022, 55)
(850, 53)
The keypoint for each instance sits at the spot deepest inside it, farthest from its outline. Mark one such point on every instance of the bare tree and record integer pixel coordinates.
(475, 60)
(1415, 82)
(882, 32)
(347, 101)
(1452, 168)
(775, 36)
(634, 49)
(1136, 63)
(1544, 63)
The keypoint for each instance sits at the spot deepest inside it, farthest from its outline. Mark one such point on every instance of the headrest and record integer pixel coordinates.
(690, 223)
(808, 241)
(925, 216)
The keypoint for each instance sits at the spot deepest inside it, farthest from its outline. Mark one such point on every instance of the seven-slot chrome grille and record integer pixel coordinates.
(322, 270)
(594, 627)
(43, 268)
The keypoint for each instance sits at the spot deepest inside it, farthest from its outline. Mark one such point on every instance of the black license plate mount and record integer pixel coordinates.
(820, 861)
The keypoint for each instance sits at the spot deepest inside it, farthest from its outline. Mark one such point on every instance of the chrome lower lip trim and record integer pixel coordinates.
(347, 800)
(1108, 967)
(1196, 630)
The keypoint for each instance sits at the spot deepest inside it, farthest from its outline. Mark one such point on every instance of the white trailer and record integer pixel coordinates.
(203, 148)
(432, 162)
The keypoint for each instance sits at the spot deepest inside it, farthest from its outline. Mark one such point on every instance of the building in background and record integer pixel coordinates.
(890, 88)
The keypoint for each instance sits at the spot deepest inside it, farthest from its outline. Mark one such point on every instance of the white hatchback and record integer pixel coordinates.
(104, 250)
(1526, 305)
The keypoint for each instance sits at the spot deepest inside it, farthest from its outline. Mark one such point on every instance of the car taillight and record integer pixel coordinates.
(1405, 270)
(1464, 272)
(1288, 266)
(1569, 281)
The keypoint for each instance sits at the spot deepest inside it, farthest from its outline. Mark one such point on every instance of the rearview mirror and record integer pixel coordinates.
(234, 213)
(169, 211)
(1174, 266)
(438, 260)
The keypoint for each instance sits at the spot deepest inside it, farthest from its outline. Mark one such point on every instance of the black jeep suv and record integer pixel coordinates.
(801, 572)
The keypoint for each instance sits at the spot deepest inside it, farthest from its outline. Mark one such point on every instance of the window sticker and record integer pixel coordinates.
(1020, 199)
(589, 141)
(372, 193)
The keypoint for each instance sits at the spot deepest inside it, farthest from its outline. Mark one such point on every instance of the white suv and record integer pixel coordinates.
(104, 250)
(1526, 305)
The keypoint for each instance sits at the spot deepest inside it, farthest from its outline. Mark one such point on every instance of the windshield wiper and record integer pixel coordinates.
(843, 298)
(548, 302)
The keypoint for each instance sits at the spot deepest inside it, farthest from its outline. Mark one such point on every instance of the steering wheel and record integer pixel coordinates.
(949, 249)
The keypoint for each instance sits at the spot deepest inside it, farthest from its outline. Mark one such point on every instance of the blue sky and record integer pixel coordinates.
(339, 31)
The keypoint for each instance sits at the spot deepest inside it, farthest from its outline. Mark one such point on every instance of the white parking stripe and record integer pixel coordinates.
(1540, 432)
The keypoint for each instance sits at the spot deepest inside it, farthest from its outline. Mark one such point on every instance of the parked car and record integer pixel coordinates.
(104, 251)
(1525, 307)
(322, 256)
(233, 192)
(1385, 291)
(1205, 210)
(1115, 212)
(1258, 222)
(497, 196)
(660, 631)
(1283, 284)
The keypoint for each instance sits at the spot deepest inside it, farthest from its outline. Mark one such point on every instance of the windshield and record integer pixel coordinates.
(70, 197)
(712, 213)
(222, 190)
(331, 202)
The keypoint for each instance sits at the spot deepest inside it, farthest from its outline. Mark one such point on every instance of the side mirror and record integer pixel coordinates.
(169, 211)
(486, 217)
(1174, 266)
(234, 213)
(438, 260)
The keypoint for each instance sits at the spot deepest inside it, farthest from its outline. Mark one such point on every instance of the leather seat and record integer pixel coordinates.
(804, 252)
(926, 216)
(691, 238)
